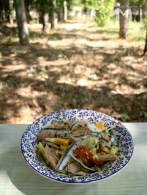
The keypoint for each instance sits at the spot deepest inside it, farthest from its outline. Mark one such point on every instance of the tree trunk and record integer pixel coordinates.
(7, 11)
(145, 46)
(22, 22)
(4, 11)
(60, 13)
(51, 14)
(52, 19)
(12, 15)
(123, 19)
(65, 10)
(44, 20)
(27, 10)
(1, 11)
(145, 15)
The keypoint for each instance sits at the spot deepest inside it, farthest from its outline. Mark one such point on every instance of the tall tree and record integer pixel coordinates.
(145, 24)
(145, 46)
(51, 4)
(43, 11)
(44, 20)
(7, 11)
(62, 10)
(65, 11)
(21, 22)
(27, 9)
(4, 11)
(42, 8)
(123, 19)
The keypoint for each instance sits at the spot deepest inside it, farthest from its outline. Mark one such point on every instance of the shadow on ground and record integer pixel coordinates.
(33, 81)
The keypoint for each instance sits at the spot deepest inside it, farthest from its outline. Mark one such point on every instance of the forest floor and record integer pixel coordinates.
(78, 65)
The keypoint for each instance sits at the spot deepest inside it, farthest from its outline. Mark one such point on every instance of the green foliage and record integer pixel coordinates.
(71, 3)
(51, 5)
(145, 23)
(103, 9)
(137, 2)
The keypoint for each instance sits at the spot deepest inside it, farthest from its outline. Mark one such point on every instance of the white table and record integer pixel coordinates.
(17, 178)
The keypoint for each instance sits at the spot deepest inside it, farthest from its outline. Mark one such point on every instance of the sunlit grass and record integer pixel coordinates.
(136, 30)
(8, 40)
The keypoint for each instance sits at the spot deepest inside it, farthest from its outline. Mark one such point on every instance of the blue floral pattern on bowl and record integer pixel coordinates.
(121, 134)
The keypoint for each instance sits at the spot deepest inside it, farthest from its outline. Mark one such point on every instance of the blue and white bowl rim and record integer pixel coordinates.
(28, 141)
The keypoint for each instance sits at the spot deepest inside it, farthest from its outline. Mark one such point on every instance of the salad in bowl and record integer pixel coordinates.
(77, 146)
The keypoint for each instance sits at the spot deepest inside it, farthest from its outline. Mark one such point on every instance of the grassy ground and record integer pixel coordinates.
(78, 65)
(136, 31)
